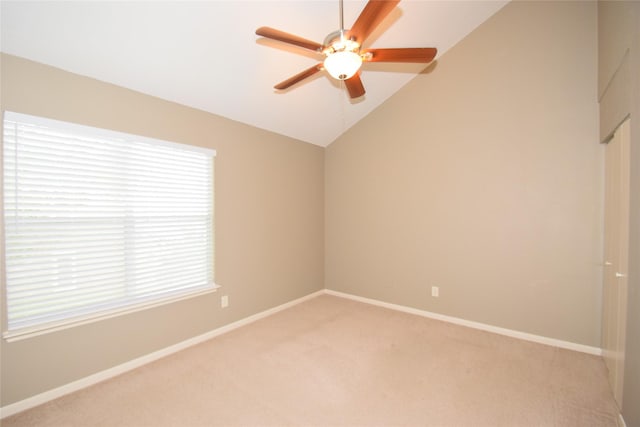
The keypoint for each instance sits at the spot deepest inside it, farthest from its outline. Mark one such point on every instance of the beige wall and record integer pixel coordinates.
(269, 225)
(619, 94)
(482, 176)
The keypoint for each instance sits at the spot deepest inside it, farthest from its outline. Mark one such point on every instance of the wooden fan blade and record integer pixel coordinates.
(370, 17)
(299, 77)
(354, 86)
(274, 34)
(409, 54)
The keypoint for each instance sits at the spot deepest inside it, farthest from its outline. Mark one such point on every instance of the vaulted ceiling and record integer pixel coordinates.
(205, 54)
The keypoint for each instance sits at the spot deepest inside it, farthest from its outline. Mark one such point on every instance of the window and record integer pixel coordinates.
(97, 222)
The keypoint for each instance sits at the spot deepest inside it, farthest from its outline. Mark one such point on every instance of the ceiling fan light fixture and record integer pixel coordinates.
(343, 64)
(343, 57)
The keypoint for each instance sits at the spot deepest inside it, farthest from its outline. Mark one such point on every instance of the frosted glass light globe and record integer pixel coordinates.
(342, 65)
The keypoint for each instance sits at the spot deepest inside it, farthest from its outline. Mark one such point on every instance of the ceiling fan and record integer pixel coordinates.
(343, 50)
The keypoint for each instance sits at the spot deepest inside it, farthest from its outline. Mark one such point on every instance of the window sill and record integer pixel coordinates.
(34, 331)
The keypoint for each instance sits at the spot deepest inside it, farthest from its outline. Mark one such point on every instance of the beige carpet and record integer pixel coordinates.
(331, 361)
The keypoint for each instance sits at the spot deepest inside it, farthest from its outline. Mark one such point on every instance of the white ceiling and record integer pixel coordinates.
(205, 54)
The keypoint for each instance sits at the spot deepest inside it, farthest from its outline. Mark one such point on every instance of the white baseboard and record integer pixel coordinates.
(55, 393)
(476, 325)
(47, 396)
(621, 422)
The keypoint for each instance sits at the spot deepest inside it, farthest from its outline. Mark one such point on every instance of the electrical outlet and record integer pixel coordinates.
(435, 291)
(224, 301)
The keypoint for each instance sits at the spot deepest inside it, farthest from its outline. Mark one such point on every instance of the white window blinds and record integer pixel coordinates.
(99, 221)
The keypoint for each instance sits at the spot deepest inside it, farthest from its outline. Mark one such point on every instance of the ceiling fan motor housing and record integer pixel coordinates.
(343, 58)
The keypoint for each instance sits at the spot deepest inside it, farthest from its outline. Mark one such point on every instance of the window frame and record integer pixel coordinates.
(56, 325)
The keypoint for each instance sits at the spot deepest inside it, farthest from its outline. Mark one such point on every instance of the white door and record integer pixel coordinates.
(616, 255)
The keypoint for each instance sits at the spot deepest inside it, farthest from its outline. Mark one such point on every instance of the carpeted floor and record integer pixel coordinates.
(335, 362)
